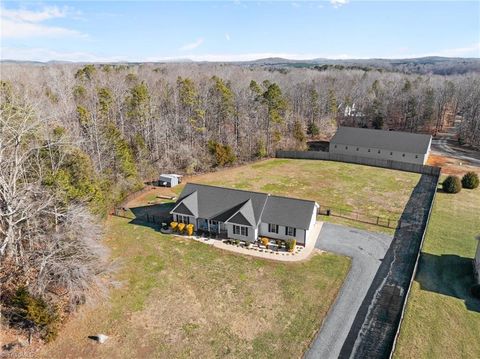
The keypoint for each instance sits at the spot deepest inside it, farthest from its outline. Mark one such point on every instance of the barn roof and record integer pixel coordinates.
(384, 140)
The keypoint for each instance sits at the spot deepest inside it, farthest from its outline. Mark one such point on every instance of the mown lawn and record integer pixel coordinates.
(368, 190)
(178, 298)
(442, 318)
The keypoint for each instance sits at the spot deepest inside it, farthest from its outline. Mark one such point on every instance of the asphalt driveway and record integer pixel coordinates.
(367, 251)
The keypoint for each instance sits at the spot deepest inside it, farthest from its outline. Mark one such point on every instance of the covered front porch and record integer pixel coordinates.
(211, 226)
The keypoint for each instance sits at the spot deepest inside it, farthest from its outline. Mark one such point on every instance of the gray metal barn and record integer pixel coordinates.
(378, 144)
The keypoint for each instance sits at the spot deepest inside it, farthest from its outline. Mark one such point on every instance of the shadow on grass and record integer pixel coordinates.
(450, 275)
(153, 215)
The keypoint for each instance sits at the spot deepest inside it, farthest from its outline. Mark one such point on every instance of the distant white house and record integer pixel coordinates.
(379, 144)
(245, 215)
(169, 180)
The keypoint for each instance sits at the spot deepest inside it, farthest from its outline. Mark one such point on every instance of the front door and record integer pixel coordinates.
(213, 226)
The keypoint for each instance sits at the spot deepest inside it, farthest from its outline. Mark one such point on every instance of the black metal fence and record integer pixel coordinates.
(360, 217)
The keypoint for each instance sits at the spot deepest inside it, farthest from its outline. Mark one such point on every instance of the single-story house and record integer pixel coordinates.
(169, 180)
(245, 215)
(380, 144)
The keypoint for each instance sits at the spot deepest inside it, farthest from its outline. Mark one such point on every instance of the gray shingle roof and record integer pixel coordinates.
(244, 207)
(384, 140)
(288, 212)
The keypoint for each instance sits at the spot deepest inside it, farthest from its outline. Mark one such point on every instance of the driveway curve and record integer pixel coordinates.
(367, 251)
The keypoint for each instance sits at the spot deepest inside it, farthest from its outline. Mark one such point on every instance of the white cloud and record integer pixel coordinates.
(338, 3)
(192, 45)
(22, 23)
(44, 55)
(34, 16)
(227, 36)
(295, 4)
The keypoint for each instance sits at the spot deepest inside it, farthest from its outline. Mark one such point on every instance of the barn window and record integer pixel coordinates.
(369, 150)
(358, 148)
(403, 155)
(346, 147)
(378, 151)
(391, 153)
(416, 156)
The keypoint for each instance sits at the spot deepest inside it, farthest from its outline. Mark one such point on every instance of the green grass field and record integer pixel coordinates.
(367, 190)
(178, 298)
(442, 319)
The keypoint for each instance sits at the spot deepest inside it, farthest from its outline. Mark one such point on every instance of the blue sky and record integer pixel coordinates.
(237, 30)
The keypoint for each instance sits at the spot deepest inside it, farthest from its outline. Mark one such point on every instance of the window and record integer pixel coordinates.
(391, 153)
(369, 150)
(183, 219)
(403, 155)
(240, 230)
(346, 147)
(358, 148)
(378, 151)
(335, 146)
(273, 228)
(416, 156)
(290, 231)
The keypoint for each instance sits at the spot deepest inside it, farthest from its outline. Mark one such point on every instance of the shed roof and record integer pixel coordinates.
(380, 139)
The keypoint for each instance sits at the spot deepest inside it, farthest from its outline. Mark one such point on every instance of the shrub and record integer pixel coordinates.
(223, 154)
(475, 290)
(190, 229)
(313, 129)
(452, 184)
(236, 242)
(37, 313)
(264, 241)
(174, 225)
(470, 180)
(290, 244)
(181, 227)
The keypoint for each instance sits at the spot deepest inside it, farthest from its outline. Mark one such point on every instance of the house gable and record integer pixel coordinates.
(188, 205)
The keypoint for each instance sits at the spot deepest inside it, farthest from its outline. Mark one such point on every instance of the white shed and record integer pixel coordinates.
(169, 180)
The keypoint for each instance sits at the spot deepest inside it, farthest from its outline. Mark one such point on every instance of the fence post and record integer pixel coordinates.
(378, 218)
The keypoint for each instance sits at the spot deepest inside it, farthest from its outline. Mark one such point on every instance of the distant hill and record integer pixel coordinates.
(433, 64)
(422, 65)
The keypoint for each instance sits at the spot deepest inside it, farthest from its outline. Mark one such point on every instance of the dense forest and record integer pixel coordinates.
(75, 139)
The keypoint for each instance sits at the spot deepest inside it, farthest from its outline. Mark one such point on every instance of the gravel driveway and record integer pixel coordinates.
(367, 250)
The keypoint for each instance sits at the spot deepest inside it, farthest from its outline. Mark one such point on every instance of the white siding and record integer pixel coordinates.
(299, 234)
(191, 219)
(383, 155)
(252, 233)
